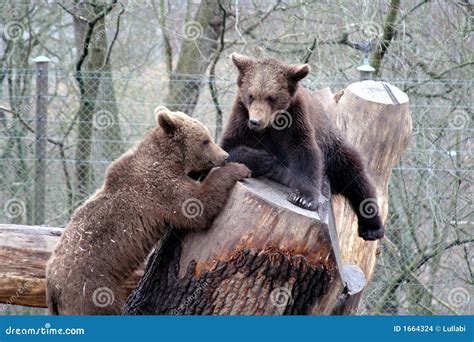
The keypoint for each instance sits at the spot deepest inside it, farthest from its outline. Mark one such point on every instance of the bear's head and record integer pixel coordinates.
(266, 87)
(197, 148)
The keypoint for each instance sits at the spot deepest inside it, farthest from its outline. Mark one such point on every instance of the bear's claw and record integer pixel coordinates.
(303, 201)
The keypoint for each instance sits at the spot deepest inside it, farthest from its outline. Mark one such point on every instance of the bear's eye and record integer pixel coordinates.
(251, 97)
(271, 98)
(206, 142)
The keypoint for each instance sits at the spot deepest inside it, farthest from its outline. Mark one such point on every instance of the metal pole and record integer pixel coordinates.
(40, 137)
(366, 71)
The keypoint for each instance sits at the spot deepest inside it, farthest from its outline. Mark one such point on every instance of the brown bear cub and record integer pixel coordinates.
(145, 191)
(279, 130)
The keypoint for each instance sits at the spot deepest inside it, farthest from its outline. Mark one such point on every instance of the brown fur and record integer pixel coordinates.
(143, 194)
(299, 154)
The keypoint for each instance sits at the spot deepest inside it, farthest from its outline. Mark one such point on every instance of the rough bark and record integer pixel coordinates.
(262, 255)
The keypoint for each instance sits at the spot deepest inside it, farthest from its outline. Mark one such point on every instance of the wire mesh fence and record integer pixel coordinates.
(425, 265)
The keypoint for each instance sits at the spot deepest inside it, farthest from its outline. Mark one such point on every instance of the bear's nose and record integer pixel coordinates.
(254, 123)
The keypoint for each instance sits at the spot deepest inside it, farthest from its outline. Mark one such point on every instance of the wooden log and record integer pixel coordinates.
(375, 118)
(24, 252)
(264, 256)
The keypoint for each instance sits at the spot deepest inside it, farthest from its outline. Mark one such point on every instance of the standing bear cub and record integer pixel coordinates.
(145, 191)
(279, 130)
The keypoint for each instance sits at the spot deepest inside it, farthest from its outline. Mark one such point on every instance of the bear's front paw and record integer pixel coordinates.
(238, 171)
(268, 162)
(303, 200)
(371, 230)
(262, 162)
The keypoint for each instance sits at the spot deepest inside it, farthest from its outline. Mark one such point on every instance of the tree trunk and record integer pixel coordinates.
(89, 79)
(106, 113)
(200, 43)
(265, 256)
(262, 255)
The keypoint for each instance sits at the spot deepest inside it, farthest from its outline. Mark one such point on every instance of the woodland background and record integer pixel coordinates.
(113, 62)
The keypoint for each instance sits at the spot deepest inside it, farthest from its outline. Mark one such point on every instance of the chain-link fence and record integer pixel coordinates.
(425, 265)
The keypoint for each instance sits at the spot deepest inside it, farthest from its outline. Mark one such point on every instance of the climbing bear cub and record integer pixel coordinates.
(146, 191)
(279, 130)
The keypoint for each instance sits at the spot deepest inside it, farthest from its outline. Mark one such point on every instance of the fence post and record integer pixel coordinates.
(40, 137)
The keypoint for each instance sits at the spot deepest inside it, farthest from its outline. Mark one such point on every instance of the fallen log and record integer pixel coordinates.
(24, 252)
(265, 256)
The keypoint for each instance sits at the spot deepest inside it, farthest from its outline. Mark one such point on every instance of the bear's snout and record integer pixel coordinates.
(259, 115)
(219, 156)
(254, 123)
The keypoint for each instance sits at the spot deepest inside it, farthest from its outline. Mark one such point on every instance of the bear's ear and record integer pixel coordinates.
(240, 61)
(298, 72)
(164, 117)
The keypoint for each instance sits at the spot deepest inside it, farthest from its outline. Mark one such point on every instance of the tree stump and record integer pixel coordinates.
(265, 256)
(375, 118)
